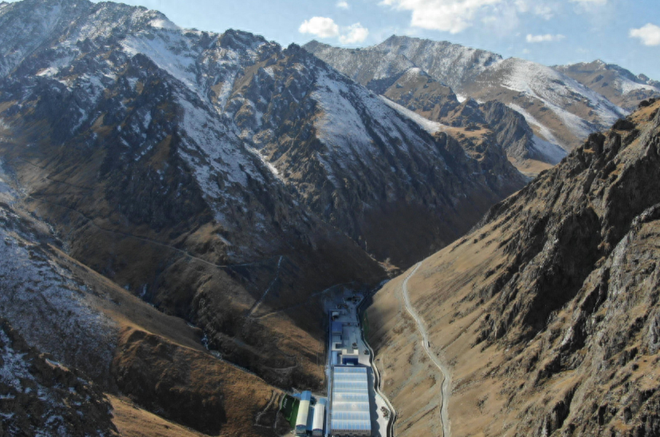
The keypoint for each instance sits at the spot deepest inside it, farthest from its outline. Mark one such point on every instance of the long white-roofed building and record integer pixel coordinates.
(303, 413)
(350, 410)
(318, 424)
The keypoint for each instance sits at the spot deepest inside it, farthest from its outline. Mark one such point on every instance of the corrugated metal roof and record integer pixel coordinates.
(349, 425)
(350, 400)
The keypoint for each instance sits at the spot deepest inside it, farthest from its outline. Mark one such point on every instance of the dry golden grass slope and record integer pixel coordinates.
(547, 314)
(132, 351)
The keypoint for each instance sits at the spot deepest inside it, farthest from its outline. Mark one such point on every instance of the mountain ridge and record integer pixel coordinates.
(561, 107)
(545, 313)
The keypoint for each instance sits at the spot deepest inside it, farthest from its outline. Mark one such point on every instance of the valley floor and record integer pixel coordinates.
(426, 344)
(345, 310)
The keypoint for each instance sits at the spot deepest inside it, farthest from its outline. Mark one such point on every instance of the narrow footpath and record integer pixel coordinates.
(446, 378)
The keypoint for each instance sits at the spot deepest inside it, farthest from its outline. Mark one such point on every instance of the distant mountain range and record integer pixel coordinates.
(562, 105)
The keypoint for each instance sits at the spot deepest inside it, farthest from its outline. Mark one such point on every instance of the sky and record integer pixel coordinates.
(551, 32)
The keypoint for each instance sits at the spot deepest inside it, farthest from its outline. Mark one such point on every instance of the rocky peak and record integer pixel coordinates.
(460, 64)
(239, 40)
(619, 85)
(346, 137)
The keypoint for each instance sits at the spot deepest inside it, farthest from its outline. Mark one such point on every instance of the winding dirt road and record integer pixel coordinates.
(446, 378)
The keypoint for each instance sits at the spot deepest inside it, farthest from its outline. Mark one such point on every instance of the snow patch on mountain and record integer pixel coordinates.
(627, 86)
(39, 295)
(14, 367)
(273, 170)
(220, 153)
(431, 127)
(557, 91)
(552, 151)
(163, 23)
(171, 51)
(542, 130)
(340, 125)
(57, 64)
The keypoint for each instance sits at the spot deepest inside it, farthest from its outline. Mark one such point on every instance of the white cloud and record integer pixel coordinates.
(649, 34)
(454, 16)
(322, 27)
(354, 34)
(446, 15)
(544, 38)
(325, 27)
(343, 5)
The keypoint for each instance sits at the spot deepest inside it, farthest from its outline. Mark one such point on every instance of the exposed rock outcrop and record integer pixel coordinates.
(546, 312)
(39, 396)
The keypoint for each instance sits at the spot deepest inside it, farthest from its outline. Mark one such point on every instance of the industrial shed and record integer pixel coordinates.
(318, 424)
(303, 413)
(350, 412)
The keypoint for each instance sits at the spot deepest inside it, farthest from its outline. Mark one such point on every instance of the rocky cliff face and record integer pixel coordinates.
(545, 314)
(39, 396)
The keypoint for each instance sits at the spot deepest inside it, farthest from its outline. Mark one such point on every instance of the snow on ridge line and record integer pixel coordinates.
(628, 86)
(548, 85)
(429, 126)
(163, 23)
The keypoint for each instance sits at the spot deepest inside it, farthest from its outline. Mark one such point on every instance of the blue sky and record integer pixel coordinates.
(624, 32)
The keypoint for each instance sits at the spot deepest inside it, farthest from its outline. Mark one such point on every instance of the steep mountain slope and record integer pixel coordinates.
(224, 180)
(93, 330)
(359, 164)
(41, 397)
(413, 73)
(617, 84)
(150, 185)
(546, 315)
(562, 105)
(560, 109)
